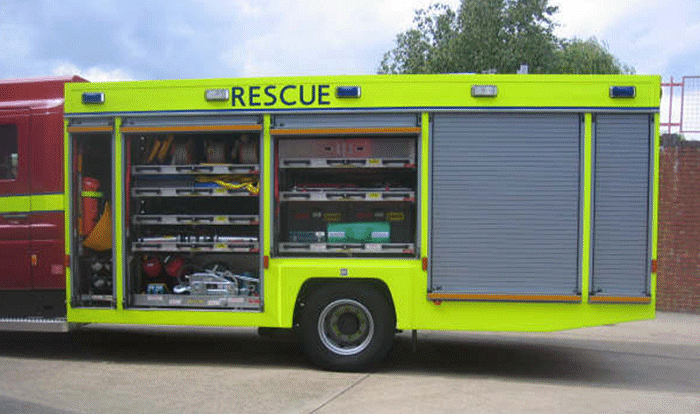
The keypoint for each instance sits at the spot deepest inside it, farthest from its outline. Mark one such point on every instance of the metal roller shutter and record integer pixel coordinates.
(505, 203)
(346, 120)
(621, 205)
(175, 121)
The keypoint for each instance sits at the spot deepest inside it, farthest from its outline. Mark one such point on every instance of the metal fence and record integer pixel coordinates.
(680, 107)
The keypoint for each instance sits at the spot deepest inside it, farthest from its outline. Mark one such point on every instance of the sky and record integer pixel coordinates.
(166, 39)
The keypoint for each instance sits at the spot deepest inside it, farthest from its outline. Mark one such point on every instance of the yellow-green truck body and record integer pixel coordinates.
(515, 202)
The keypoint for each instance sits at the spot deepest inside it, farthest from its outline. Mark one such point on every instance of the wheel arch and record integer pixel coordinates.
(313, 284)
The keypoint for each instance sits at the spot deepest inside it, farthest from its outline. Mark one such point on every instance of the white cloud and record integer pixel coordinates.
(211, 38)
(319, 37)
(592, 17)
(248, 8)
(93, 74)
(653, 36)
(16, 41)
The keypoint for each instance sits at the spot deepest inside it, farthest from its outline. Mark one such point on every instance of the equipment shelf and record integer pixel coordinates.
(198, 219)
(398, 163)
(97, 298)
(202, 247)
(355, 248)
(199, 169)
(189, 192)
(360, 194)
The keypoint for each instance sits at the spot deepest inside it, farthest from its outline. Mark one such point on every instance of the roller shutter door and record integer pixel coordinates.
(505, 203)
(621, 205)
(185, 121)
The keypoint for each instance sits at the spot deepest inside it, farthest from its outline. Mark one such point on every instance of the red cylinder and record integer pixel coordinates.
(174, 267)
(151, 267)
(90, 205)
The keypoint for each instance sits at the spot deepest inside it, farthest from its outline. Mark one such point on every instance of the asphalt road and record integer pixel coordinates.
(639, 367)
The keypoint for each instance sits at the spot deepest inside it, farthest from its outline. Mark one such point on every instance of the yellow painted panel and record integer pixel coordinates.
(424, 171)
(378, 91)
(15, 204)
(290, 275)
(26, 204)
(118, 212)
(169, 317)
(66, 206)
(49, 202)
(398, 274)
(586, 228)
(655, 207)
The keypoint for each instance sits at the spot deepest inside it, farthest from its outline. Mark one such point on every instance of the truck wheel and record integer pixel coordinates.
(347, 327)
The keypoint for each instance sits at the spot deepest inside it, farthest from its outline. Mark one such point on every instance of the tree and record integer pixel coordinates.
(589, 57)
(426, 48)
(494, 35)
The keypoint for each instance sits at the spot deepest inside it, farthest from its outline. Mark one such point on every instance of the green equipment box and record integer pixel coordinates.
(359, 232)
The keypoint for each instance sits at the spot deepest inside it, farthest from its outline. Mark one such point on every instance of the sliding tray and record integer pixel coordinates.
(197, 301)
(345, 248)
(215, 169)
(199, 219)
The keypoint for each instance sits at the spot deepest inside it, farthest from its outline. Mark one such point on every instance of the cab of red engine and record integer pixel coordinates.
(32, 252)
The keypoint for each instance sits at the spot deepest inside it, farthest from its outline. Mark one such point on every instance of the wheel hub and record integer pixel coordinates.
(348, 323)
(346, 327)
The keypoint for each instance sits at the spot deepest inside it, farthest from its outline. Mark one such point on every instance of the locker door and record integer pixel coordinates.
(621, 240)
(505, 204)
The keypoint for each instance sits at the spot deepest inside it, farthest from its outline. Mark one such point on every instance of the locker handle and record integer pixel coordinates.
(332, 196)
(240, 245)
(403, 162)
(195, 168)
(143, 219)
(194, 219)
(231, 168)
(194, 191)
(295, 162)
(148, 245)
(347, 162)
(140, 169)
(396, 195)
(147, 191)
(298, 247)
(13, 216)
(396, 246)
(299, 195)
(192, 245)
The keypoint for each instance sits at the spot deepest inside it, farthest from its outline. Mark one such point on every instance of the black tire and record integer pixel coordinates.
(347, 327)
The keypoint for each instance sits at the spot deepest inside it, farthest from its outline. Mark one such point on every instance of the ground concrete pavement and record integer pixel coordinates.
(637, 367)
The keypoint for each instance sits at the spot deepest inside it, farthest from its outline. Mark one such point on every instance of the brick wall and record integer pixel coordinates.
(678, 280)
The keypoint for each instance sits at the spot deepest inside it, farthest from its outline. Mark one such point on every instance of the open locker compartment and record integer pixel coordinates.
(346, 195)
(92, 275)
(193, 220)
(195, 280)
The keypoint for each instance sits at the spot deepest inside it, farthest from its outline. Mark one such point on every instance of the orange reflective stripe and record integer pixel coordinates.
(512, 298)
(343, 131)
(619, 299)
(77, 129)
(187, 128)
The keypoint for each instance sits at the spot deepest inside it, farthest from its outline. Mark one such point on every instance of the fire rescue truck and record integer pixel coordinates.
(344, 208)
(32, 202)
